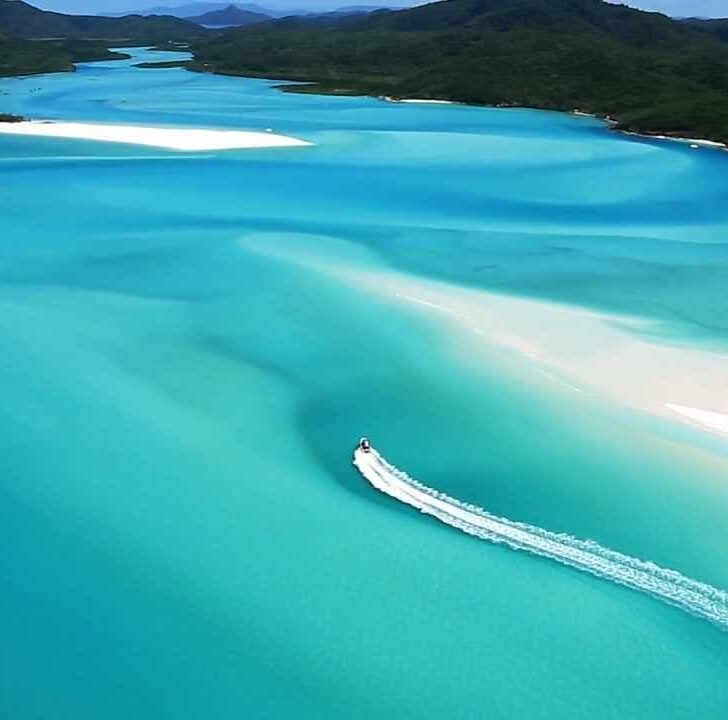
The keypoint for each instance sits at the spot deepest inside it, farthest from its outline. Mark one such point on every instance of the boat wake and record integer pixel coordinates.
(690, 595)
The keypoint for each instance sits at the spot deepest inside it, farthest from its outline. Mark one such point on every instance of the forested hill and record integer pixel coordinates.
(34, 41)
(650, 72)
(718, 28)
(22, 20)
(30, 57)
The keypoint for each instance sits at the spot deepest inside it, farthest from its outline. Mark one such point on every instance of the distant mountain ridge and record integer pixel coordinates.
(196, 9)
(231, 16)
(22, 20)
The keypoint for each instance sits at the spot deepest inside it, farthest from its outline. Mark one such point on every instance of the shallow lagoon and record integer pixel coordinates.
(190, 346)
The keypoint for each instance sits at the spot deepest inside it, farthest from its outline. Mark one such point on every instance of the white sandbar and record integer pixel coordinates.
(185, 139)
(424, 101)
(709, 418)
(580, 350)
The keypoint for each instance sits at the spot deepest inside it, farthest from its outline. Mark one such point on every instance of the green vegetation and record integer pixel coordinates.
(717, 28)
(34, 41)
(651, 73)
(29, 57)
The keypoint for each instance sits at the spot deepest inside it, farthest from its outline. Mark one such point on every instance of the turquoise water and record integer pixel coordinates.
(188, 356)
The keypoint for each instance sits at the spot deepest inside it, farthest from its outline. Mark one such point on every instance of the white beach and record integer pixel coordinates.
(416, 101)
(424, 101)
(183, 139)
(692, 141)
(698, 142)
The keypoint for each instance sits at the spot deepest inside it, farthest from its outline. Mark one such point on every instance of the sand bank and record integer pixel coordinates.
(424, 101)
(708, 418)
(587, 351)
(579, 350)
(184, 139)
(416, 101)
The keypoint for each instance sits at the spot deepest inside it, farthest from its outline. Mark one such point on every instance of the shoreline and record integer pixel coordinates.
(425, 101)
(415, 101)
(312, 87)
(609, 121)
(166, 138)
(294, 86)
(658, 135)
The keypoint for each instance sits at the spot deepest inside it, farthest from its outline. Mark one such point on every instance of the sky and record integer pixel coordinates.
(680, 8)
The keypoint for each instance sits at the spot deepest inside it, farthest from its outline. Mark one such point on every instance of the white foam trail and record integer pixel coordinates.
(695, 597)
